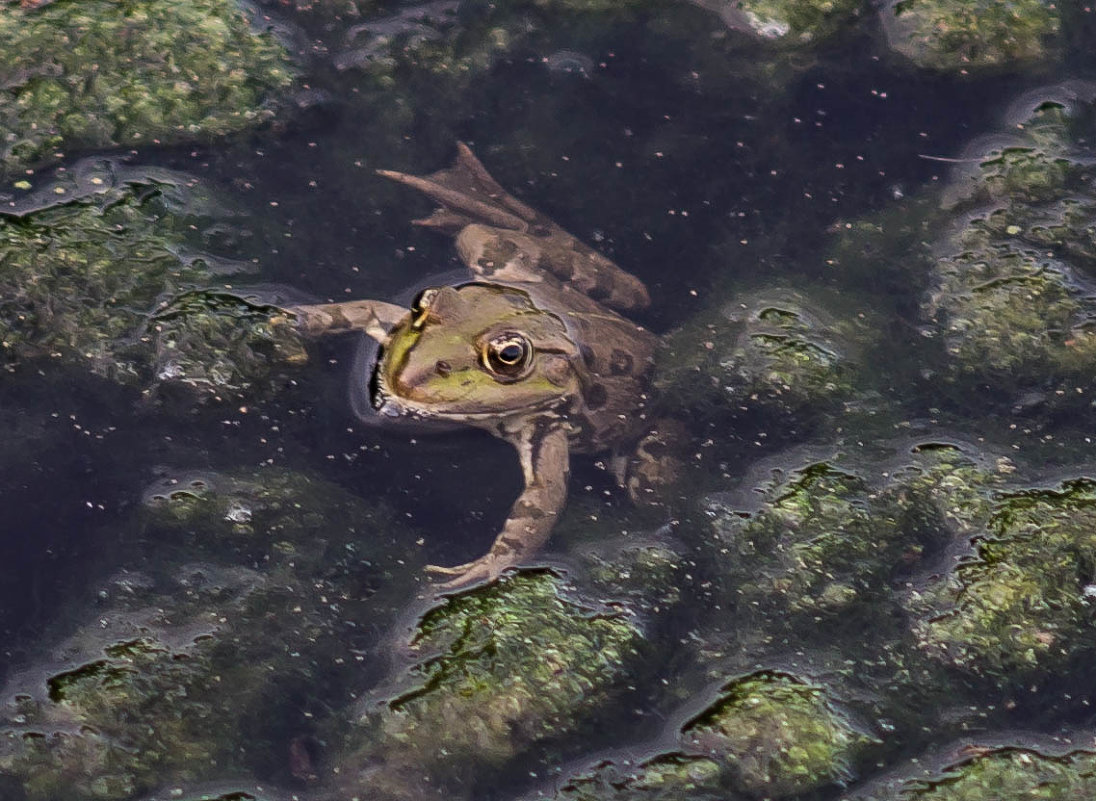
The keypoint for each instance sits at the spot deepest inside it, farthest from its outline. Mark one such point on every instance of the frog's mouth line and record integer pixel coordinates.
(385, 403)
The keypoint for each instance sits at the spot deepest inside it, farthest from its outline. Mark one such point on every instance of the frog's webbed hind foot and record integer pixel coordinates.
(467, 194)
(656, 465)
(469, 198)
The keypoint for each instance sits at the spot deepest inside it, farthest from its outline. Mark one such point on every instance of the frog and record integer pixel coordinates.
(533, 347)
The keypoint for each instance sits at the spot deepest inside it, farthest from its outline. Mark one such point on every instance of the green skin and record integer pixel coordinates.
(530, 350)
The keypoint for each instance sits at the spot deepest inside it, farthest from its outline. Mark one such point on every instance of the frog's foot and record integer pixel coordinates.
(466, 193)
(467, 196)
(656, 464)
(486, 569)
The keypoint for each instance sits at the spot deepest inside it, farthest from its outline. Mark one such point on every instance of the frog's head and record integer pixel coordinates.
(476, 352)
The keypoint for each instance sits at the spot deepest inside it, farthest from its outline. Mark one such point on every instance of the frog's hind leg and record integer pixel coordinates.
(467, 194)
(469, 197)
(656, 464)
(545, 464)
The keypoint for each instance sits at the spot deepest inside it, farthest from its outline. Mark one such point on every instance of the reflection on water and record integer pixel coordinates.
(868, 234)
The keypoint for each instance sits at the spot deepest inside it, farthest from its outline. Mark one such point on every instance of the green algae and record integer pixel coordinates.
(508, 670)
(235, 631)
(1007, 773)
(777, 735)
(987, 34)
(800, 21)
(112, 280)
(827, 544)
(1012, 300)
(1020, 612)
(773, 357)
(81, 74)
(767, 735)
(668, 777)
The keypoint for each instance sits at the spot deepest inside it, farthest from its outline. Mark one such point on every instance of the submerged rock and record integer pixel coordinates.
(955, 35)
(774, 361)
(827, 543)
(777, 736)
(1003, 773)
(1018, 615)
(668, 777)
(508, 676)
(1013, 298)
(101, 73)
(787, 21)
(240, 622)
(767, 735)
(110, 276)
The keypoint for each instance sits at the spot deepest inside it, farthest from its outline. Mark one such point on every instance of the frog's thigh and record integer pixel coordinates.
(657, 463)
(500, 255)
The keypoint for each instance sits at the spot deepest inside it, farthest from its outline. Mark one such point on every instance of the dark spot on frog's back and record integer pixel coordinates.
(621, 362)
(588, 356)
(596, 396)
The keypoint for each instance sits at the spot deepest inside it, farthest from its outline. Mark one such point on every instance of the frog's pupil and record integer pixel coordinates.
(511, 353)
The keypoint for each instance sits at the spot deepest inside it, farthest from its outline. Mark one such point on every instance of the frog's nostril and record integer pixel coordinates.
(443, 368)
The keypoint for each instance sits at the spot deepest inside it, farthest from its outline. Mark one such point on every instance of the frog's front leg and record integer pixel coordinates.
(545, 463)
(374, 317)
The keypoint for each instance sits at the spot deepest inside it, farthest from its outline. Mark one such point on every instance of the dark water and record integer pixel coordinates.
(702, 178)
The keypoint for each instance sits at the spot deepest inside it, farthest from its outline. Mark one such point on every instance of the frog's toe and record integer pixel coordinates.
(450, 571)
(484, 570)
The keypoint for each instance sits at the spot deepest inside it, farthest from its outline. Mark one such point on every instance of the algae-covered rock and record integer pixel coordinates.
(325, 9)
(767, 735)
(507, 674)
(957, 35)
(100, 73)
(216, 341)
(827, 543)
(1013, 299)
(773, 357)
(240, 622)
(777, 736)
(1006, 773)
(110, 276)
(1019, 616)
(789, 21)
(668, 777)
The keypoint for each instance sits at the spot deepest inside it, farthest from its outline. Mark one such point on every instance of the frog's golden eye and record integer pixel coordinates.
(507, 355)
(420, 306)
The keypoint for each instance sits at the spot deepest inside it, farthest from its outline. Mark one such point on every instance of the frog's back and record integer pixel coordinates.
(619, 359)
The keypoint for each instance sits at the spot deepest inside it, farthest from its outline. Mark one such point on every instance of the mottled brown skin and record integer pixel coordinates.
(530, 349)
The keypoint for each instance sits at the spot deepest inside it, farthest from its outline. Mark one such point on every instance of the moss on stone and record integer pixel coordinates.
(773, 357)
(506, 668)
(956, 34)
(669, 777)
(1021, 612)
(777, 736)
(236, 629)
(1008, 773)
(827, 543)
(1013, 287)
(109, 279)
(799, 21)
(83, 74)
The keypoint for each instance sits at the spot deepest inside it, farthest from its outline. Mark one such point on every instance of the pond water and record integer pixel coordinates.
(870, 252)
